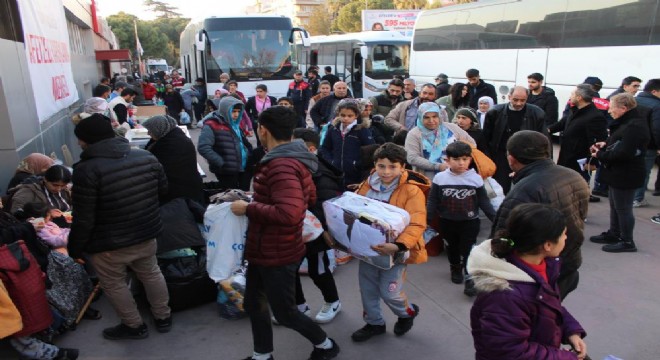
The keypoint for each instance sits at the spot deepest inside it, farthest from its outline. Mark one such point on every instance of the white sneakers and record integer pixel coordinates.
(328, 312)
(304, 309)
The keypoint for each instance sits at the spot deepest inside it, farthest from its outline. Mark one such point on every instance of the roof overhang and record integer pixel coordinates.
(113, 55)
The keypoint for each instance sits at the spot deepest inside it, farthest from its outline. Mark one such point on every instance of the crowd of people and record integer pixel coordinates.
(434, 151)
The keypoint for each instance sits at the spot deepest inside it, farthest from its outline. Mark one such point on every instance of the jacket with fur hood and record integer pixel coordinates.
(343, 151)
(283, 190)
(517, 314)
(409, 195)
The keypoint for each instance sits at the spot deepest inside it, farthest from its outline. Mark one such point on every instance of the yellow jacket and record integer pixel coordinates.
(10, 318)
(409, 195)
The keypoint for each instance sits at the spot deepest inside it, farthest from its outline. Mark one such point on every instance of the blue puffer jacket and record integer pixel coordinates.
(343, 152)
(221, 141)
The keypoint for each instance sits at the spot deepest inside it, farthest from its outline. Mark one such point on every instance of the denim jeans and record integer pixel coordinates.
(276, 286)
(622, 220)
(649, 161)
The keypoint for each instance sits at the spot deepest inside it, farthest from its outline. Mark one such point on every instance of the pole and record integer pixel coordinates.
(366, 5)
(137, 48)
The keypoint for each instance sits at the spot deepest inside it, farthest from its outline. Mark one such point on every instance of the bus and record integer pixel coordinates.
(252, 49)
(366, 61)
(565, 40)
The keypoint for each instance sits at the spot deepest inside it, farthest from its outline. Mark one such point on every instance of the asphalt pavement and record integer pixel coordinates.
(616, 302)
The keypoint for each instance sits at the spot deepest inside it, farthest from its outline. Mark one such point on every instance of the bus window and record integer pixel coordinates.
(340, 65)
(314, 57)
(387, 60)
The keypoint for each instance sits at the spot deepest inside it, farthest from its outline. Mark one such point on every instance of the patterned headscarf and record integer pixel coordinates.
(435, 141)
(160, 125)
(96, 105)
(35, 164)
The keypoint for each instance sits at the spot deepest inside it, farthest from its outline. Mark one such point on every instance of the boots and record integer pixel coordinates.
(606, 237)
(621, 246)
(456, 273)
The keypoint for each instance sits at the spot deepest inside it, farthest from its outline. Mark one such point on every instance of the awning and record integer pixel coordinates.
(113, 55)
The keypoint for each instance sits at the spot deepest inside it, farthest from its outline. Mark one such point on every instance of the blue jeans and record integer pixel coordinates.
(622, 220)
(649, 161)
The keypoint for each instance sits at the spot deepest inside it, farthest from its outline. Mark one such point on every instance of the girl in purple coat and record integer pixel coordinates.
(518, 313)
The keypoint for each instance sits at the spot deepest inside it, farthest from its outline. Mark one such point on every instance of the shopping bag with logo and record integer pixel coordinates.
(225, 234)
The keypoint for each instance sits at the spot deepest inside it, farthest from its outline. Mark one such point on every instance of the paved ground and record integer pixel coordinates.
(616, 302)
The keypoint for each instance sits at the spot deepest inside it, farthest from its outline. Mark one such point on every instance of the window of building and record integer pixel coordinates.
(76, 40)
(10, 21)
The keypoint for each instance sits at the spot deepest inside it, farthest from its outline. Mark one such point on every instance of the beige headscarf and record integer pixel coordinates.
(35, 164)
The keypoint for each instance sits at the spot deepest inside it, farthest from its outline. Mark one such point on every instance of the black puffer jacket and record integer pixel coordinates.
(115, 197)
(623, 155)
(323, 110)
(543, 182)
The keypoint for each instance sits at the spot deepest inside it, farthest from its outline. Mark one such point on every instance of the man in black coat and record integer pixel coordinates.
(442, 85)
(538, 180)
(330, 77)
(324, 110)
(584, 126)
(504, 120)
(543, 97)
(478, 88)
(116, 221)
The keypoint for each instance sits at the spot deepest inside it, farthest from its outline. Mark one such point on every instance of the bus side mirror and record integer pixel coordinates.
(304, 36)
(364, 51)
(201, 40)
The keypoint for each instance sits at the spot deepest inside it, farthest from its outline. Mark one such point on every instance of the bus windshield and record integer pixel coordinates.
(156, 68)
(249, 55)
(387, 60)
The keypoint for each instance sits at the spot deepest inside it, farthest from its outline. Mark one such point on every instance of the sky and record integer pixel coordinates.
(188, 8)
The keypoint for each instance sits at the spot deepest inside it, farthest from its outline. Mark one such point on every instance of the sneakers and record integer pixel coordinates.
(656, 219)
(367, 332)
(328, 312)
(599, 193)
(639, 204)
(305, 311)
(403, 325)
(604, 238)
(163, 325)
(324, 354)
(456, 274)
(66, 354)
(121, 332)
(469, 288)
(621, 246)
(594, 199)
(251, 358)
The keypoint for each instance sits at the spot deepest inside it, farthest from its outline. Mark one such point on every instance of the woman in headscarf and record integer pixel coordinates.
(466, 119)
(426, 142)
(33, 164)
(484, 104)
(176, 152)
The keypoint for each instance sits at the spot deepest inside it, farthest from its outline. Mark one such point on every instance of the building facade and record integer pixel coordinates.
(299, 11)
(23, 127)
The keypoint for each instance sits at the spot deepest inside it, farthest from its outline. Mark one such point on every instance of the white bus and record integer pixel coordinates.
(253, 49)
(565, 40)
(366, 61)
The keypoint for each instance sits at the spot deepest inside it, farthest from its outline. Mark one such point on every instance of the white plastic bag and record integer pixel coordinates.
(494, 191)
(225, 235)
(312, 227)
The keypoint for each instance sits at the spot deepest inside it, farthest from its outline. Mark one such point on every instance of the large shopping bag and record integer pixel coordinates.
(357, 222)
(225, 235)
(494, 191)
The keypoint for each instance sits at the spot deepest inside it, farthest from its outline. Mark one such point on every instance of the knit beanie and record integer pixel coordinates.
(592, 80)
(94, 129)
(160, 125)
(528, 146)
(467, 112)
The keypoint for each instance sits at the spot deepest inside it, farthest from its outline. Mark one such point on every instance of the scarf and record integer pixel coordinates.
(434, 142)
(346, 128)
(35, 164)
(265, 104)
